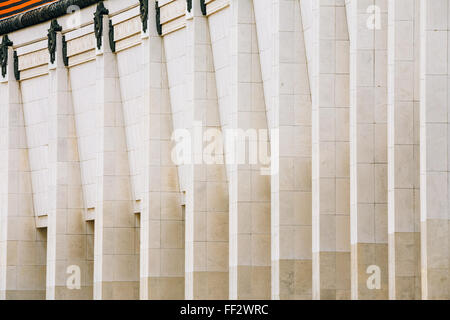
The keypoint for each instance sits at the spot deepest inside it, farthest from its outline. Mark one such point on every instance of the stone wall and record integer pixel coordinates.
(349, 98)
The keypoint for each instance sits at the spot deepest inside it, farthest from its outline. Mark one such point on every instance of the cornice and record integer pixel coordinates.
(42, 14)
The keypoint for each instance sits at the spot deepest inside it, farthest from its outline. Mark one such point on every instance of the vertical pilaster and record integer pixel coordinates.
(207, 202)
(249, 184)
(434, 149)
(162, 221)
(67, 229)
(116, 251)
(291, 183)
(403, 150)
(330, 151)
(368, 148)
(22, 245)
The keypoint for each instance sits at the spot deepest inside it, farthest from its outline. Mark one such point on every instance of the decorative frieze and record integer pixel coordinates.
(228, 231)
(172, 10)
(172, 16)
(216, 5)
(45, 13)
(127, 28)
(127, 33)
(81, 58)
(81, 44)
(33, 59)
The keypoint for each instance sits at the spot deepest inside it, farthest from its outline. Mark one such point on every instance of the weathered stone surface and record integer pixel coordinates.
(345, 197)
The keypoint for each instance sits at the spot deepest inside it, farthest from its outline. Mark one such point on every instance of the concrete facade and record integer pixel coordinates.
(341, 107)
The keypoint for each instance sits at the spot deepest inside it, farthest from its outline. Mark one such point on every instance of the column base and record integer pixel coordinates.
(162, 288)
(295, 279)
(23, 294)
(405, 255)
(253, 283)
(210, 285)
(117, 290)
(335, 279)
(363, 256)
(436, 267)
(63, 293)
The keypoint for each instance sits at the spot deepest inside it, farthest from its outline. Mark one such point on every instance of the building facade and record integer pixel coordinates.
(225, 149)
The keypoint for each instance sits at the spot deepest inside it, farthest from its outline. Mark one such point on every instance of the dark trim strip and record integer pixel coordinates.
(15, 4)
(24, 9)
(19, 3)
(41, 14)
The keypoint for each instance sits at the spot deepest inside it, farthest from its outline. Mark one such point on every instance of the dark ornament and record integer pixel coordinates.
(4, 53)
(98, 22)
(143, 5)
(158, 18)
(51, 36)
(112, 44)
(203, 7)
(41, 14)
(16, 66)
(189, 5)
(64, 51)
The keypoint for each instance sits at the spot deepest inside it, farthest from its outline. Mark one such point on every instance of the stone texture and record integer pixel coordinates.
(67, 233)
(288, 114)
(162, 244)
(23, 246)
(352, 100)
(116, 247)
(434, 146)
(367, 21)
(403, 149)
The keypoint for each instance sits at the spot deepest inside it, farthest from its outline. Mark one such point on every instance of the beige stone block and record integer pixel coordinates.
(303, 174)
(125, 267)
(172, 234)
(260, 187)
(217, 196)
(303, 208)
(260, 215)
(260, 249)
(253, 282)
(166, 288)
(436, 280)
(217, 256)
(124, 240)
(172, 262)
(75, 247)
(303, 279)
(75, 222)
(125, 290)
(217, 226)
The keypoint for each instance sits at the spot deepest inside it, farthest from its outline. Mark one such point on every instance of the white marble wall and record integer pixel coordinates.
(82, 81)
(352, 122)
(368, 143)
(330, 151)
(290, 112)
(131, 91)
(434, 149)
(22, 245)
(403, 149)
(35, 107)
